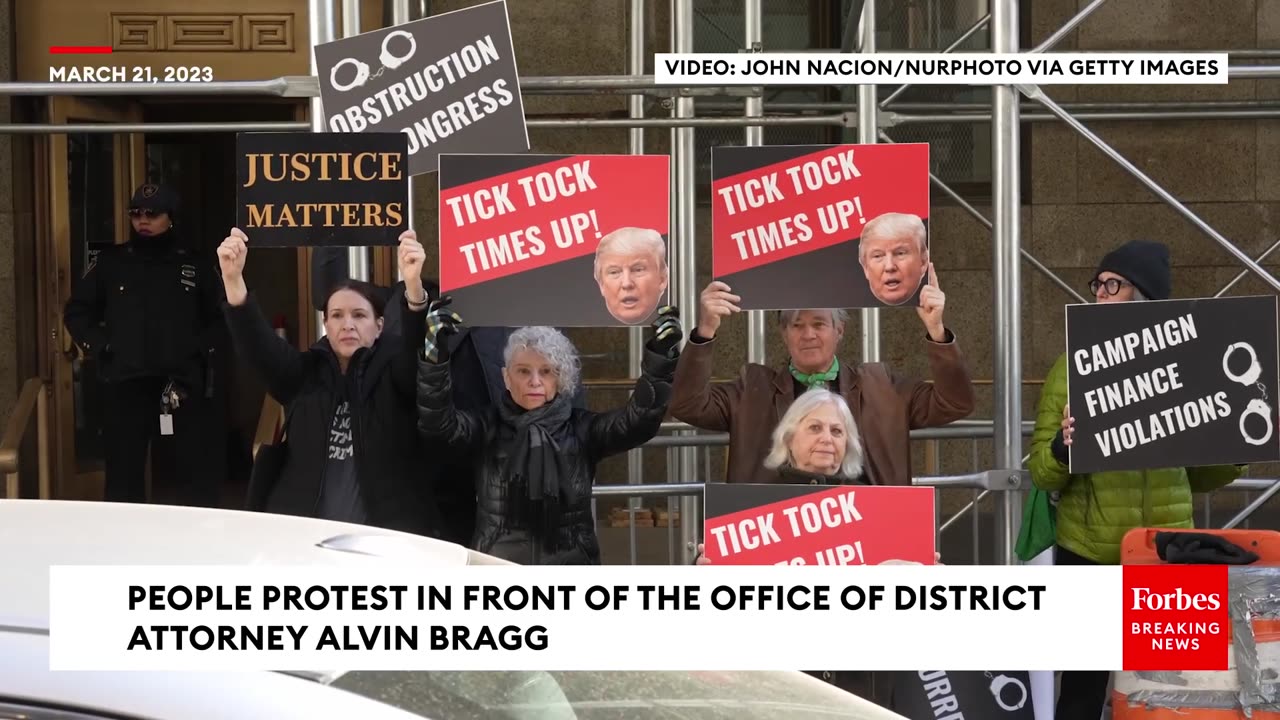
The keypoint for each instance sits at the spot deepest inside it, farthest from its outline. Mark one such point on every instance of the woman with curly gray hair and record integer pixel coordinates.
(534, 455)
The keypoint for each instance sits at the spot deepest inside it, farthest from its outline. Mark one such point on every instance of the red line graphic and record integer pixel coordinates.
(80, 50)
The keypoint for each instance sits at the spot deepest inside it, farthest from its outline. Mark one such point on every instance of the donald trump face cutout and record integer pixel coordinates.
(631, 270)
(894, 256)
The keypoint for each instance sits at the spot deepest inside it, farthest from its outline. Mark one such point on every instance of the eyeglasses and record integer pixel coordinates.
(140, 212)
(1112, 285)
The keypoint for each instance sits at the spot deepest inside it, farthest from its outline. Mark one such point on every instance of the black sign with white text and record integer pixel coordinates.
(938, 695)
(1172, 383)
(320, 189)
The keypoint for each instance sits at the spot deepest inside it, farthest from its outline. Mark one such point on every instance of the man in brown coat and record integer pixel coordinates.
(885, 407)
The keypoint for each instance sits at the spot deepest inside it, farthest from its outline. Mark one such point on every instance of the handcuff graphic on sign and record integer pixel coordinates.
(1256, 406)
(388, 60)
(999, 683)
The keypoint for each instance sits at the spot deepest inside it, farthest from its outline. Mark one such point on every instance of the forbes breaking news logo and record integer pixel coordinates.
(1176, 618)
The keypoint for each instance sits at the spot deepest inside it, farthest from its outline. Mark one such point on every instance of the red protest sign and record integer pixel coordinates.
(787, 221)
(520, 236)
(818, 525)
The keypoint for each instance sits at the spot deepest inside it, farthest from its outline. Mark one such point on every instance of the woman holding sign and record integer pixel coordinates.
(350, 452)
(1095, 511)
(534, 455)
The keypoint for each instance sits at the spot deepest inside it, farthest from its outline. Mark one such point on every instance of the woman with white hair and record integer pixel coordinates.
(817, 442)
(533, 455)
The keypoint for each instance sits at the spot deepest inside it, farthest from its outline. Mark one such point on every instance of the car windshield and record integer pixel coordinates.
(611, 695)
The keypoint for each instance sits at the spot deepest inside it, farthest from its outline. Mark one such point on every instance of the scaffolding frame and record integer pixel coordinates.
(869, 116)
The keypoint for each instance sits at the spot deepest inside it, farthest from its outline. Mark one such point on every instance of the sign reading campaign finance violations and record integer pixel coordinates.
(316, 189)
(800, 226)
(569, 240)
(1172, 383)
(749, 524)
(448, 82)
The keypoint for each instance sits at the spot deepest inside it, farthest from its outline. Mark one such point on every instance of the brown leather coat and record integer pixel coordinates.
(885, 407)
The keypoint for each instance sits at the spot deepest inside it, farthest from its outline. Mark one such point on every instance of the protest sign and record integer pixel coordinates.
(448, 82)
(315, 189)
(569, 240)
(990, 695)
(1172, 383)
(750, 524)
(788, 222)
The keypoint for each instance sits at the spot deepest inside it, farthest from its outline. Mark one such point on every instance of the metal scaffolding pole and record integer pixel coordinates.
(358, 257)
(401, 13)
(1007, 276)
(684, 280)
(1038, 95)
(955, 44)
(635, 335)
(868, 132)
(322, 26)
(753, 38)
(1068, 27)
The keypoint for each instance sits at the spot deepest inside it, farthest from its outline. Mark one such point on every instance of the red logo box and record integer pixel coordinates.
(1176, 618)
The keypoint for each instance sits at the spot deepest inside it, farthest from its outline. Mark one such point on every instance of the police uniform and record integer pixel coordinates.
(149, 313)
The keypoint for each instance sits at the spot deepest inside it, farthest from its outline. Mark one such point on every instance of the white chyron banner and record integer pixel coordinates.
(575, 618)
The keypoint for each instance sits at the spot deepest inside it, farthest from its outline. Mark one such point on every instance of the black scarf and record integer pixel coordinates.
(536, 467)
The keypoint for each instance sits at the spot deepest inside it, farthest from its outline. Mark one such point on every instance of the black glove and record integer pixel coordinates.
(1059, 449)
(666, 332)
(1193, 548)
(650, 394)
(441, 323)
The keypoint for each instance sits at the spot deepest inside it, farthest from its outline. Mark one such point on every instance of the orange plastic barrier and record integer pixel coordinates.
(1139, 548)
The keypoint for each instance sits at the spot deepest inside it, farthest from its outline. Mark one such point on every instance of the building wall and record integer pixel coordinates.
(10, 379)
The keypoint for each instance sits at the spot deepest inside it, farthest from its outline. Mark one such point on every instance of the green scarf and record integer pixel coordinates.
(813, 380)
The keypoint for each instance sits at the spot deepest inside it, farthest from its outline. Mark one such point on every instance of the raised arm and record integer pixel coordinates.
(278, 363)
(413, 314)
(693, 398)
(950, 396)
(438, 418)
(640, 419)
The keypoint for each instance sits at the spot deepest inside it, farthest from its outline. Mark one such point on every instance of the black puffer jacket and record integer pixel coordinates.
(487, 439)
(395, 488)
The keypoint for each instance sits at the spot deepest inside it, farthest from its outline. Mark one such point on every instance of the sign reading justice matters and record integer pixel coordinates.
(1172, 383)
(317, 189)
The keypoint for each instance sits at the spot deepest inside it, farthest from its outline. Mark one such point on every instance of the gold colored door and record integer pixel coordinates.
(90, 177)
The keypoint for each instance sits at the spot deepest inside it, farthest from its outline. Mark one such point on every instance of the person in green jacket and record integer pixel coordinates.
(1095, 511)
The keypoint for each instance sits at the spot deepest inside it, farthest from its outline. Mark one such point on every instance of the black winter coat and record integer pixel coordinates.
(390, 463)
(149, 308)
(486, 439)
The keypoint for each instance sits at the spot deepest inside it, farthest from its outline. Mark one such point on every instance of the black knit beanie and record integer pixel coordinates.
(1145, 264)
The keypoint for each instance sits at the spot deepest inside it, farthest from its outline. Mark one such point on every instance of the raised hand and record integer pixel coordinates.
(411, 258)
(932, 302)
(715, 305)
(232, 254)
(666, 331)
(441, 323)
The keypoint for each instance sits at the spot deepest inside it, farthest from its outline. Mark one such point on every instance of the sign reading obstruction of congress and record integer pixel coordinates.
(838, 226)
(1173, 383)
(448, 82)
(818, 525)
(570, 240)
(315, 189)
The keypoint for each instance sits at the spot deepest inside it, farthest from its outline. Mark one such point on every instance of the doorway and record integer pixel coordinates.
(89, 179)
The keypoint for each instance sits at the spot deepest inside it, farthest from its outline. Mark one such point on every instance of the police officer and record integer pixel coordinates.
(149, 313)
